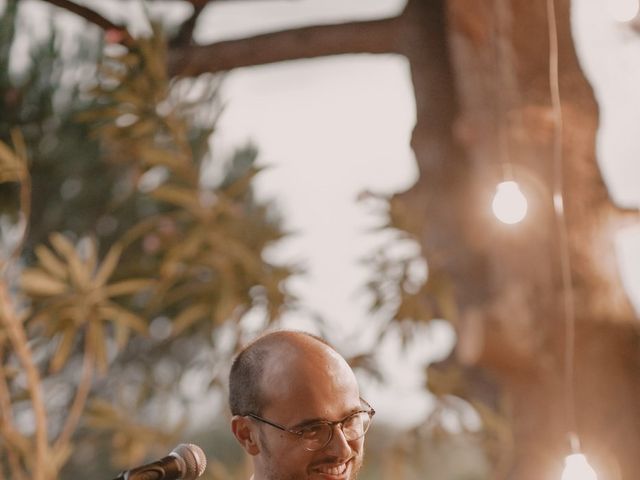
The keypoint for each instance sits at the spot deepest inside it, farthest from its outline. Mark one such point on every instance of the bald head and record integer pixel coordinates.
(283, 364)
(284, 389)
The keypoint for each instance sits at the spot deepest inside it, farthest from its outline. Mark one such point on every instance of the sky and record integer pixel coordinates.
(330, 129)
(609, 52)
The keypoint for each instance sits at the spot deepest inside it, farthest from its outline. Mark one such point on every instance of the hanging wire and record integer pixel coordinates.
(561, 224)
(504, 98)
(508, 98)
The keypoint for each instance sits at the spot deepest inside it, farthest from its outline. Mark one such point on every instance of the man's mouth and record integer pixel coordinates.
(332, 470)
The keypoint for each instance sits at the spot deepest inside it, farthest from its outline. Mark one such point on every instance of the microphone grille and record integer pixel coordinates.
(194, 459)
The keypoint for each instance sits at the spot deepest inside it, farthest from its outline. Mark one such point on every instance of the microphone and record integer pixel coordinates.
(185, 462)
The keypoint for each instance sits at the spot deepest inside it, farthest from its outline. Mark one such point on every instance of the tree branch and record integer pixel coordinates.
(18, 339)
(93, 17)
(185, 34)
(376, 36)
(15, 468)
(7, 429)
(624, 216)
(5, 397)
(75, 412)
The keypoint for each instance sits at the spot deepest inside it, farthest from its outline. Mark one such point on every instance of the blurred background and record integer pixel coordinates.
(178, 176)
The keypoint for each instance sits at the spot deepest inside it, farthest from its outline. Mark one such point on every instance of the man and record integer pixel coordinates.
(297, 409)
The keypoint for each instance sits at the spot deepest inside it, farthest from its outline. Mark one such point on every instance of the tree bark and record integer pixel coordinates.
(376, 36)
(513, 321)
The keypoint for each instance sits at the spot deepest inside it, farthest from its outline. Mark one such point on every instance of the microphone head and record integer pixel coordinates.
(194, 459)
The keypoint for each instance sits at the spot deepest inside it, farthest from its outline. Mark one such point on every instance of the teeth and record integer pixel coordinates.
(337, 470)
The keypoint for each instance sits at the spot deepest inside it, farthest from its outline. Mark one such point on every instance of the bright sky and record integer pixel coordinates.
(609, 53)
(331, 129)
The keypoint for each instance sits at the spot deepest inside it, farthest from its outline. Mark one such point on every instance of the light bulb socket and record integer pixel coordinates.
(574, 442)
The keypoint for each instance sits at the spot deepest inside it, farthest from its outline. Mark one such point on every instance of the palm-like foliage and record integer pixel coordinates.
(148, 237)
(71, 295)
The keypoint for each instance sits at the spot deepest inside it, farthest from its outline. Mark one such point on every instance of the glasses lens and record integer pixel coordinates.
(315, 437)
(356, 425)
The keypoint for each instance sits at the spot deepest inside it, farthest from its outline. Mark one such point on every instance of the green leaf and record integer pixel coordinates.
(182, 197)
(8, 159)
(103, 113)
(121, 335)
(128, 287)
(174, 160)
(12, 166)
(141, 128)
(189, 316)
(80, 275)
(63, 350)
(51, 263)
(36, 282)
(242, 184)
(96, 340)
(118, 314)
(108, 265)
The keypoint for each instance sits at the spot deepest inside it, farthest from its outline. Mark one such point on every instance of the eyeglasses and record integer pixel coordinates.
(317, 435)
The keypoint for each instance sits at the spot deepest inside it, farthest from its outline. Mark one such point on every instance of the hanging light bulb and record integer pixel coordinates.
(576, 467)
(509, 204)
(623, 10)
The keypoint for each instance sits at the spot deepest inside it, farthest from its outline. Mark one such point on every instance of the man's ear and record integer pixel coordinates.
(246, 433)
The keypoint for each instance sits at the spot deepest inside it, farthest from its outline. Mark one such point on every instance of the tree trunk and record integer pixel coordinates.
(512, 318)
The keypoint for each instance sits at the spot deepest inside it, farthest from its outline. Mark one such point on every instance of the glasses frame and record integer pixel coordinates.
(368, 410)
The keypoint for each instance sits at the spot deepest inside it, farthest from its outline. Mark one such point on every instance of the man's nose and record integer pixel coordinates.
(339, 446)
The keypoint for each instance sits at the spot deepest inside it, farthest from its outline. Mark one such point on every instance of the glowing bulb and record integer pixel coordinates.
(509, 204)
(576, 467)
(623, 10)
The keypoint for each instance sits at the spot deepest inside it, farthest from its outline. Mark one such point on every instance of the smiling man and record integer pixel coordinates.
(297, 409)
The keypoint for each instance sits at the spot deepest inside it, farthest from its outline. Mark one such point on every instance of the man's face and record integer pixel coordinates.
(318, 387)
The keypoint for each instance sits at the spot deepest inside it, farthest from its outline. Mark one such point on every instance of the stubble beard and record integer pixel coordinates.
(272, 474)
(357, 464)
